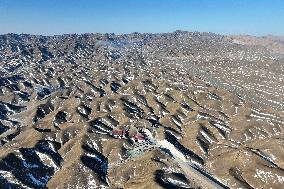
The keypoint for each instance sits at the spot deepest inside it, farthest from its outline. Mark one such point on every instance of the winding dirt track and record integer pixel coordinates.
(189, 171)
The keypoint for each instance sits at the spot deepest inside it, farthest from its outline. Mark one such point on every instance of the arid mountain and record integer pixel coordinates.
(169, 110)
(273, 43)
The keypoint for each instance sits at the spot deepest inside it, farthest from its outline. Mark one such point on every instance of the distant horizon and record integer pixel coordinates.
(266, 35)
(224, 17)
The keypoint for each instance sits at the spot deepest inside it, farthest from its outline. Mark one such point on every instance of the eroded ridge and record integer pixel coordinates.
(103, 111)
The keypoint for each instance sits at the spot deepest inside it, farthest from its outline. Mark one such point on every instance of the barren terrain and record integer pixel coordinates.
(171, 110)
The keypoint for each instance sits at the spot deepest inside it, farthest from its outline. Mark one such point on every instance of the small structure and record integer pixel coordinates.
(119, 133)
(137, 138)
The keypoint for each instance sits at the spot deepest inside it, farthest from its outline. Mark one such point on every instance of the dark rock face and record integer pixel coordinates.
(173, 180)
(29, 169)
(115, 111)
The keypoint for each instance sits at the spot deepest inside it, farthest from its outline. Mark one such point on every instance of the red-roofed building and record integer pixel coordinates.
(119, 133)
(137, 138)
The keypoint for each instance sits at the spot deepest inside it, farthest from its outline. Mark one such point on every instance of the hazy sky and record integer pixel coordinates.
(48, 17)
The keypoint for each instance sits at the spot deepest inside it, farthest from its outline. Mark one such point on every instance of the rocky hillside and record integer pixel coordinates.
(169, 110)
